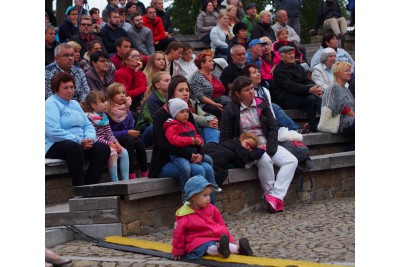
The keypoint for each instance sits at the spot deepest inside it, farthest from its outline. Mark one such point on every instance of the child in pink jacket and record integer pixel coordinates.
(200, 228)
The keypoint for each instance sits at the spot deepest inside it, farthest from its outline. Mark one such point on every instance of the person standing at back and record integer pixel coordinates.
(251, 17)
(293, 9)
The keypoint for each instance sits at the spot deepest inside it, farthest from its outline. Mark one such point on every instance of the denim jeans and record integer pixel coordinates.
(283, 119)
(209, 134)
(181, 170)
(147, 136)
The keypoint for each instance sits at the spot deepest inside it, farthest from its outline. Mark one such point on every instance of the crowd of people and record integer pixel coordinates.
(119, 84)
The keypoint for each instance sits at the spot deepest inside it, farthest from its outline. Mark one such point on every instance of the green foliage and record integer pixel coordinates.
(184, 14)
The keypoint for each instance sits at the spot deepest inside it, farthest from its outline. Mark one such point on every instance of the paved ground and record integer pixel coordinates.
(322, 231)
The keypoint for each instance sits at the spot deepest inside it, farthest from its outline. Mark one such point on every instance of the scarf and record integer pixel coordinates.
(118, 112)
(99, 119)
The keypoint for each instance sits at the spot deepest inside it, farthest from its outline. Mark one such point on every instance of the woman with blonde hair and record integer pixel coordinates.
(231, 10)
(157, 62)
(340, 101)
(220, 35)
(154, 98)
(77, 52)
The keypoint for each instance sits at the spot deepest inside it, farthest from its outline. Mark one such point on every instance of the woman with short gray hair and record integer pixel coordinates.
(322, 74)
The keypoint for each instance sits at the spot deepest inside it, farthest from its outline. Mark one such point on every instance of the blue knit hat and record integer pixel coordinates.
(195, 185)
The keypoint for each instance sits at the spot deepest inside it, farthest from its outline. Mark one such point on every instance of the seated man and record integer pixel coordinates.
(330, 40)
(240, 32)
(64, 61)
(263, 27)
(111, 32)
(161, 38)
(293, 88)
(251, 17)
(235, 68)
(112, 5)
(255, 52)
(141, 36)
(329, 14)
(85, 35)
(159, 6)
(123, 45)
(282, 22)
(50, 43)
(123, 23)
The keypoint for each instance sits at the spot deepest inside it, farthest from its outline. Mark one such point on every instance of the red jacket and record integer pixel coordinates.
(134, 81)
(117, 61)
(156, 27)
(180, 134)
(195, 227)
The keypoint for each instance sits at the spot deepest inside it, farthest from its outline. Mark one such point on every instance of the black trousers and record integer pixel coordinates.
(350, 131)
(75, 156)
(134, 146)
(310, 103)
(163, 43)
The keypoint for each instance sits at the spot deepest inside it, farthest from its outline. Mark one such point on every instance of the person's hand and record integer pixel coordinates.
(316, 90)
(194, 141)
(87, 143)
(219, 106)
(264, 147)
(272, 70)
(199, 158)
(213, 123)
(193, 158)
(133, 133)
(112, 145)
(118, 147)
(139, 66)
(198, 141)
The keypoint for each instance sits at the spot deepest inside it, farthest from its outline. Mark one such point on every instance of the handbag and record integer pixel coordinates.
(328, 123)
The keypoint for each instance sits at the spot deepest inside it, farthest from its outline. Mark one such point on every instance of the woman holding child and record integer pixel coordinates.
(249, 113)
(161, 163)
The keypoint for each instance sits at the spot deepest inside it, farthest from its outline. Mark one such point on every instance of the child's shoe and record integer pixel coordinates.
(223, 247)
(144, 174)
(217, 189)
(244, 247)
(132, 176)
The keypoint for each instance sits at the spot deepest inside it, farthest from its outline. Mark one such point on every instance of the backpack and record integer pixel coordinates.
(301, 152)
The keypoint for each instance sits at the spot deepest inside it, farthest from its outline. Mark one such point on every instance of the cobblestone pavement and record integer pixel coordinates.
(321, 231)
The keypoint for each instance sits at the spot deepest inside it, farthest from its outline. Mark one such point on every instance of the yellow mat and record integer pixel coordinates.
(233, 258)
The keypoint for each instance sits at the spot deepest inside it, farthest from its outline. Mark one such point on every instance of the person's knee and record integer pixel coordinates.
(197, 169)
(101, 150)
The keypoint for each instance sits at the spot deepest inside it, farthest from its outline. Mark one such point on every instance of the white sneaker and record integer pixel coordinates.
(217, 189)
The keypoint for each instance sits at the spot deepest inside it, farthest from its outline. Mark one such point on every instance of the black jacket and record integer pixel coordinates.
(166, 21)
(66, 30)
(290, 80)
(229, 74)
(261, 29)
(162, 148)
(110, 35)
(230, 124)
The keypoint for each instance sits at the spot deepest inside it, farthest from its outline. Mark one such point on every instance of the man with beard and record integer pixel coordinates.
(159, 6)
(111, 32)
(141, 36)
(161, 38)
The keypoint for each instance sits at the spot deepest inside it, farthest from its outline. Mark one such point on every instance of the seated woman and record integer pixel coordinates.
(339, 99)
(132, 77)
(161, 165)
(77, 52)
(206, 88)
(154, 98)
(99, 77)
(157, 62)
(173, 52)
(186, 63)
(231, 10)
(251, 71)
(69, 26)
(249, 113)
(240, 32)
(70, 136)
(220, 35)
(94, 46)
(205, 21)
(322, 73)
(282, 40)
(269, 60)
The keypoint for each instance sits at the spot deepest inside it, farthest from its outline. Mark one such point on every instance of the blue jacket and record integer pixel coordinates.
(65, 120)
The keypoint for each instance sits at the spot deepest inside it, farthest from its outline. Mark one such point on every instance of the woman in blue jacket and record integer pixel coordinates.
(70, 136)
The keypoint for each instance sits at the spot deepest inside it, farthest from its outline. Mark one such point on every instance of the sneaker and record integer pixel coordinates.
(271, 203)
(244, 247)
(305, 129)
(280, 205)
(217, 189)
(223, 247)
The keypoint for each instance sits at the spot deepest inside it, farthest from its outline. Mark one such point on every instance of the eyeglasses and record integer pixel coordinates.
(86, 24)
(67, 55)
(134, 56)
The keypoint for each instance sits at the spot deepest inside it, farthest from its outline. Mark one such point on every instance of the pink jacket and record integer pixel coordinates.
(195, 227)
(267, 67)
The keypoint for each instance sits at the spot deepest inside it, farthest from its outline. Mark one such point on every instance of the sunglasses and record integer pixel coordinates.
(86, 24)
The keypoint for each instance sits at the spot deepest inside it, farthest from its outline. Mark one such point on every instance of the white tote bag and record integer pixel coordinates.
(327, 123)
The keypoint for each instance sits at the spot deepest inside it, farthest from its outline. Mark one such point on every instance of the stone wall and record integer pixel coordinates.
(144, 215)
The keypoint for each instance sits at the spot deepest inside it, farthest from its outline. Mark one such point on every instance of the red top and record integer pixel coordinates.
(156, 27)
(134, 81)
(117, 61)
(219, 88)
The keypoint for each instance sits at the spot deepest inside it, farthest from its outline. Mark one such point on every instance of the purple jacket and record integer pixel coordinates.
(121, 129)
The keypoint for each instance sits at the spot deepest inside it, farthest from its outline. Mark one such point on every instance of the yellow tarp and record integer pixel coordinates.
(233, 258)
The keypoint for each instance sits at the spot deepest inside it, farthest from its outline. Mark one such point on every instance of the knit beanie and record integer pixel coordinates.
(175, 105)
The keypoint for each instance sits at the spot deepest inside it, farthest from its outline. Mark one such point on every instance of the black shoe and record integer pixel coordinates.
(223, 247)
(244, 247)
(305, 129)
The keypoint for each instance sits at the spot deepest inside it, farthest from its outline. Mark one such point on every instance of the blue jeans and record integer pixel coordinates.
(147, 136)
(283, 119)
(181, 170)
(209, 134)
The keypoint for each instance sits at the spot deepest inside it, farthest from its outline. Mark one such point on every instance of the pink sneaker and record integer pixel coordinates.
(132, 176)
(272, 203)
(281, 205)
